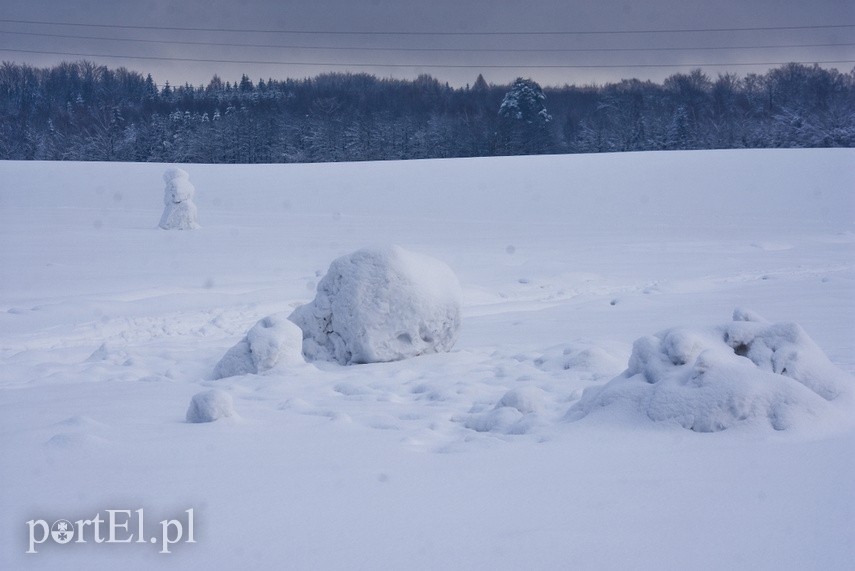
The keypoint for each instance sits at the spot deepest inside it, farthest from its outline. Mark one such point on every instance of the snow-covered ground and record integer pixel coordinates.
(460, 460)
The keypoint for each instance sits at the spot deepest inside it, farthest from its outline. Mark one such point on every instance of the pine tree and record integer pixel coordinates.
(480, 84)
(524, 119)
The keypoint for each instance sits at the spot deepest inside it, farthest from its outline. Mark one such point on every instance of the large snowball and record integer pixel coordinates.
(179, 212)
(379, 305)
(747, 372)
(272, 340)
(209, 406)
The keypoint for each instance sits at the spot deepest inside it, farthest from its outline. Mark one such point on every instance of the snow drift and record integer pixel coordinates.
(747, 371)
(272, 340)
(378, 305)
(179, 211)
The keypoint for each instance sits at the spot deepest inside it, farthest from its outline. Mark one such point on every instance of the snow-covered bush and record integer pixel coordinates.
(179, 211)
(272, 340)
(379, 305)
(748, 371)
(210, 405)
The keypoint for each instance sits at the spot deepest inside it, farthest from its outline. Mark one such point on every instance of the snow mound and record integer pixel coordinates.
(179, 211)
(210, 405)
(271, 341)
(505, 420)
(108, 352)
(587, 360)
(524, 399)
(748, 372)
(382, 304)
(75, 441)
(517, 412)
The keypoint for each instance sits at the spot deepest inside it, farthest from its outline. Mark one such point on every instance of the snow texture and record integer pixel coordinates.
(107, 329)
(179, 211)
(209, 406)
(381, 304)
(748, 371)
(272, 340)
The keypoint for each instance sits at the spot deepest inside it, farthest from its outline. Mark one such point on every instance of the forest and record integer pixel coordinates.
(83, 111)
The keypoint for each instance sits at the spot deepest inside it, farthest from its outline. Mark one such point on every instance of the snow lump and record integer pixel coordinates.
(209, 406)
(747, 372)
(517, 412)
(179, 211)
(381, 304)
(272, 340)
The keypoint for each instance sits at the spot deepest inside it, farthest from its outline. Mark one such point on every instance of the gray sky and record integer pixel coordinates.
(452, 40)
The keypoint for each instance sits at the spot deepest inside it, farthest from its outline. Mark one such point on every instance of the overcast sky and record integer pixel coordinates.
(554, 42)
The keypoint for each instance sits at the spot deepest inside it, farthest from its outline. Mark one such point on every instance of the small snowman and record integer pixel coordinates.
(179, 212)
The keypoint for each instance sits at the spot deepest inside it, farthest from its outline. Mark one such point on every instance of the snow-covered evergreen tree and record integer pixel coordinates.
(679, 136)
(525, 102)
(524, 118)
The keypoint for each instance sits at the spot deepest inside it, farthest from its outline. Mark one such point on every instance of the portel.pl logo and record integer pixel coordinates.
(116, 526)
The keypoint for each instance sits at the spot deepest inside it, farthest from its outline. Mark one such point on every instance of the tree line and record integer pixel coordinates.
(83, 111)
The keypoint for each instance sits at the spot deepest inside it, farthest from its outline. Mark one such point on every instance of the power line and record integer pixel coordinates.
(420, 33)
(426, 65)
(408, 49)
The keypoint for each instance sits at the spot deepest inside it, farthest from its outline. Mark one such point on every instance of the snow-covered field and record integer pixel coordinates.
(460, 460)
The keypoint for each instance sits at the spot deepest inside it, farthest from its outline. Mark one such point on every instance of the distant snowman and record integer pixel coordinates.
(180, 211)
